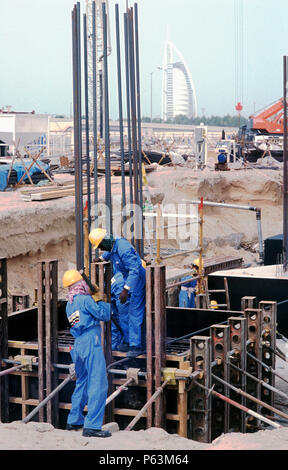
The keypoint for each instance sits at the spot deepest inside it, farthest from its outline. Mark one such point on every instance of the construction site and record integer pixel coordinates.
(198, 203)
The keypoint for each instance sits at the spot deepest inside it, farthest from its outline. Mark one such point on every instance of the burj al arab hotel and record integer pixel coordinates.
(178, 91)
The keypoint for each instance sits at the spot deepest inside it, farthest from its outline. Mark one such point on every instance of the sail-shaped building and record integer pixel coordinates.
(178, 91)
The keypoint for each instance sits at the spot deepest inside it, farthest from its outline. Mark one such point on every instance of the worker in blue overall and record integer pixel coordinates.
(126, 260)
(84, 316)
(120, 314)
(187, 291)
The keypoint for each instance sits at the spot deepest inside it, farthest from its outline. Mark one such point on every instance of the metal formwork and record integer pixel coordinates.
(3, 338)
(201, 400)
(220, 335)
(238, 359)
(47, 336)
(155, 339)
(253, 317)
(268, 335)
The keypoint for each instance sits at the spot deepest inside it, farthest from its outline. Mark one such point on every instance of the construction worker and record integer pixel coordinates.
(126, 260)
(119, 331)
(84, 316)
(187, 291)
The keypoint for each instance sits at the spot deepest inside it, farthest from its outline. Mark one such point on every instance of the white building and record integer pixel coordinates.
(178, 91)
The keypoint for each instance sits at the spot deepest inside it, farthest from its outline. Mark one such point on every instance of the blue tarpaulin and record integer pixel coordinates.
(20, 170)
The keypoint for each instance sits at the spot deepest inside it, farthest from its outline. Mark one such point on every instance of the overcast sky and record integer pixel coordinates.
(36, 57)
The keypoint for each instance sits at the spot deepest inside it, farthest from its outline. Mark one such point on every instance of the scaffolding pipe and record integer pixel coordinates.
(250, 397)
(147, 405)
(269, 368)
(48, 398)
(237, 405)
(235, 206)
(264, 384)
(11, 369)
(119, 390)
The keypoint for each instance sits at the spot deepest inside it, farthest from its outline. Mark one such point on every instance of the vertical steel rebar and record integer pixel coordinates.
(95, 130)
(108, 197)
(126, 33)
(285, 169)
(138, 94)
(121, 119)
(133, 108)
(87, 138)
(76, 57)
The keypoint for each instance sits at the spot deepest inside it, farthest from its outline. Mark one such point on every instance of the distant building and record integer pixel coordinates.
(178, 91)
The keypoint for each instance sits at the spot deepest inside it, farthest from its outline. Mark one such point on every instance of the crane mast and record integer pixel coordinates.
(95, 54)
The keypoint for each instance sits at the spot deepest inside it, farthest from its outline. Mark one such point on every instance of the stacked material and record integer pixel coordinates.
(11, 174)
(52, 192)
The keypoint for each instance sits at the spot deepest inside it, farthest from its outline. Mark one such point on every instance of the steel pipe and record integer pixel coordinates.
(147, 405)
(241, 407)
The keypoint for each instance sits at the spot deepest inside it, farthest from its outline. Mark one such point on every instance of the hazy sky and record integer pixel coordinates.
(36, 52)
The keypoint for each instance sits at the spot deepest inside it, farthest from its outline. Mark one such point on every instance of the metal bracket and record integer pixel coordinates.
(26, 361)
(133, 374)
(169, 373)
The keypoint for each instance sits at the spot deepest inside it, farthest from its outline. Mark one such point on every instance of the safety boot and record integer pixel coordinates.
(88, 432)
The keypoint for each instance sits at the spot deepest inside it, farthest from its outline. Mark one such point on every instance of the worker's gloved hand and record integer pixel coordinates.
(98, 260)
(72, 372)
(98, 296)
(123, 296)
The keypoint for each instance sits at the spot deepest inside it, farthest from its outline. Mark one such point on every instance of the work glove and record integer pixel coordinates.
(123, 296)
(98, 296)
(72, 372)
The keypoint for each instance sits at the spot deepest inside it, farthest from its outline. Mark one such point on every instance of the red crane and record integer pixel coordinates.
(269, 120)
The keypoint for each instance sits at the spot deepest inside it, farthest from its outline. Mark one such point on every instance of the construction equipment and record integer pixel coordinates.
(263, 132)
(227, 149)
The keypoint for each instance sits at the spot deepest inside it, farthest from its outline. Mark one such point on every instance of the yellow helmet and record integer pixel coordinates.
(70, 277)
(213, 304)
(196, 262)
(96, 236)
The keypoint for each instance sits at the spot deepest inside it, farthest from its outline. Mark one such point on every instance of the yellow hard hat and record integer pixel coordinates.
(196, 262)
(143, 263)
(96, 236)
(213, 304)
(70, 277)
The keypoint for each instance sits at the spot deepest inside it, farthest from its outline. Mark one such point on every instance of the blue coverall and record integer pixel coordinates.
(119, 311)
(126, 260)
(187, 293)
(84, 315)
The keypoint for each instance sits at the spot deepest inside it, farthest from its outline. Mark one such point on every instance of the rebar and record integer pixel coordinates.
(121, 119)
(108, 195)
